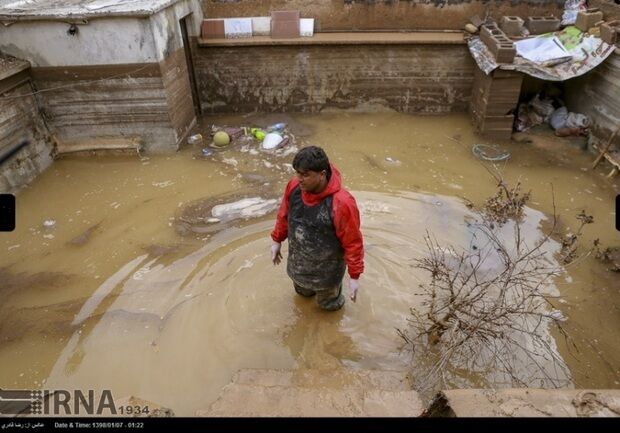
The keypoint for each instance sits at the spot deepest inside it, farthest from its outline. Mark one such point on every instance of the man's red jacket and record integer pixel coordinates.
(345, 215)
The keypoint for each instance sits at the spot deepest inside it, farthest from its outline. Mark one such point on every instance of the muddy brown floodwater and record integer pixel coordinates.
(130, 290)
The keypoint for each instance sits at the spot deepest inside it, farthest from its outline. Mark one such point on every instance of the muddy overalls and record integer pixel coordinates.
(315, 257)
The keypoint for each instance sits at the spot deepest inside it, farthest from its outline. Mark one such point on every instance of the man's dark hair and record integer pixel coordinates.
(311, 158)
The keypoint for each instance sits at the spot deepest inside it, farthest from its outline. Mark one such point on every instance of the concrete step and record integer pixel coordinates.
(334, 379)
(526, 403)
(310, 393)
(241, 400)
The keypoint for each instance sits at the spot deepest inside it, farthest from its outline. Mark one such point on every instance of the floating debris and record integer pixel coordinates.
(490, 152)
(48, 224)
(195, 139)
(392, 161)
(246, 208)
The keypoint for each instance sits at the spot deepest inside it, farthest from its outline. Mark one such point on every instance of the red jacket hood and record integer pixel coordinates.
(333, 186)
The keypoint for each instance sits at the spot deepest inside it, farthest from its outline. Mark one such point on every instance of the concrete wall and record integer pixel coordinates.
(165, 27)
(118, 77)
(426, 78)
(345, 15)
(100, 42)
(85, 104)
(597, 95)
(20, 120)
(171, 56)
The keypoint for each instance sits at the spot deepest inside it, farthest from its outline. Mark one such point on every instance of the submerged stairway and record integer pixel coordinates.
(316, 393)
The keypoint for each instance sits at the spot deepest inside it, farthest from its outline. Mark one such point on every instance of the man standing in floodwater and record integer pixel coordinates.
(322, 223)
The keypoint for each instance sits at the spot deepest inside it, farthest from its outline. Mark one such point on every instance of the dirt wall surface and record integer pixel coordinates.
(426, 78)
(346, 15)
(20, 120)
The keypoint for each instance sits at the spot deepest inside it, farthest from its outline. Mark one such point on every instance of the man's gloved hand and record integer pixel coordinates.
(353, 286)
(276, 256)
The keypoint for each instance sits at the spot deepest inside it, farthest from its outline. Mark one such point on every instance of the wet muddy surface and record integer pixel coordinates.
(116, 278)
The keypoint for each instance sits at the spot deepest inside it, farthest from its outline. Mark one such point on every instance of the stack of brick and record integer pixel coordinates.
(541, 25)
(502, 48)
(610, 31)
(493, 97)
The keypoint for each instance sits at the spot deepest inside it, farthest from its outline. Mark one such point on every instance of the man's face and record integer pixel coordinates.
(311, 181)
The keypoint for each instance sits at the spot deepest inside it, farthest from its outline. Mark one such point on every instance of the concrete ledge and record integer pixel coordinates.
(10, 65)
(526, 403)
(133, 144)
(238, 400)
(349, 38)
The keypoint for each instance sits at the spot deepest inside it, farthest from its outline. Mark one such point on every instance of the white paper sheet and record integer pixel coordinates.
(541, 50)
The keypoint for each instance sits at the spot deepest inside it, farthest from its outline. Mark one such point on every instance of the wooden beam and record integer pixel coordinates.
(607, 146)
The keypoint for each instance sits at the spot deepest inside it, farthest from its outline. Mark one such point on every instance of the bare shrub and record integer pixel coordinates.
(569, 242)
(487, 312)
(507, 203)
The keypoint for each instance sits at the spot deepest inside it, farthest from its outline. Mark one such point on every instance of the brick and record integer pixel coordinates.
(212, 29)
(487, 31)
(609, 32)
(497, 127)
(504, 52)
(493, 97)
(476, 20)
(541, 25)
(499, 44)
(588, 19)
(511, 25)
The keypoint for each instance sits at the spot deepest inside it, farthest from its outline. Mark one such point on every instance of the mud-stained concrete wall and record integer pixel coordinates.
(597, 95)
(83, 103)
(20, 121)
(178, 94)
(115, 78)
(174, 69)
(425, 78)
(346, 15)
(99, 42)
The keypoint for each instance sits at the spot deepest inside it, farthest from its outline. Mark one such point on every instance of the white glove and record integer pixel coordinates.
(276, 256)
(353, 286)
